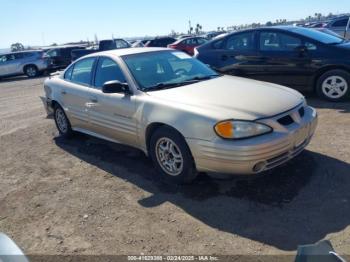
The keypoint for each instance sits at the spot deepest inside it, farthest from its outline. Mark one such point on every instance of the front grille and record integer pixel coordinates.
(286, 120)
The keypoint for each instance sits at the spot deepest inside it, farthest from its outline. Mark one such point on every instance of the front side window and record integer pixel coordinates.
(275, 41)
(241, 42)
(82, 71)
(107, 70)
(156, 70)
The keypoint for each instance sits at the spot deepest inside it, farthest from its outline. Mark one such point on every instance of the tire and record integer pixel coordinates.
(167, 144)
(334, 85)
(62, 122)
(31, 71)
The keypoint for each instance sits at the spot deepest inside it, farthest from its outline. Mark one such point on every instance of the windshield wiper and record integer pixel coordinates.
(161, 86)
(201, 78)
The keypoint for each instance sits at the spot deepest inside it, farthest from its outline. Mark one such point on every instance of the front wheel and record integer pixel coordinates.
(172, 157)
(334, 85)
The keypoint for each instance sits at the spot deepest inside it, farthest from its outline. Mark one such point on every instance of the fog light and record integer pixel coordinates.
(259, 167)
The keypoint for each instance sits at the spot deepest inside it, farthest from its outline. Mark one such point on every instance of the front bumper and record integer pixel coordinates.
(255, 155)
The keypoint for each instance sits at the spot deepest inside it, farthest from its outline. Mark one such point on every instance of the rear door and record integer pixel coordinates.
(112, 115)
(283, 59)
(76, 95)
(238, 54)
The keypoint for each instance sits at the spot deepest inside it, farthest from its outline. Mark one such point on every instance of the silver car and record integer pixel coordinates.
(30, 63)
(181, 113)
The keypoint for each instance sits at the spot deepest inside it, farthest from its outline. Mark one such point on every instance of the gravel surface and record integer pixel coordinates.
(87, 196)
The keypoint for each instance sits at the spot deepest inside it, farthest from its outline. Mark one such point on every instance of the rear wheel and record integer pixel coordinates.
(62, 123)
(172, 157)
(334, 85)
(31, 71)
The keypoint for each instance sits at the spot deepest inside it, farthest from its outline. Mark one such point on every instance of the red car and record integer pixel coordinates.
(187, 45)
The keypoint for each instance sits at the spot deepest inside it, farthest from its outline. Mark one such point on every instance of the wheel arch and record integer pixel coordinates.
(25, 67)
(152, 127)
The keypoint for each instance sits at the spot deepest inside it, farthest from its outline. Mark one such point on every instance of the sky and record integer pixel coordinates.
(43, 22)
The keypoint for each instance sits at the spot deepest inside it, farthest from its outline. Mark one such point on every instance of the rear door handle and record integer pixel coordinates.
(63, 92)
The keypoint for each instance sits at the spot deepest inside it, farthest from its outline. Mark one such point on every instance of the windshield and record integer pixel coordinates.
(166, 69)
(319, 36)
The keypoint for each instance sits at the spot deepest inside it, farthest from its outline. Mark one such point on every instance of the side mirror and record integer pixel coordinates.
(115, 86)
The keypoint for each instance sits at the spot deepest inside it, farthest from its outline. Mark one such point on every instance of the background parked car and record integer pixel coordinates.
(211, 35)
(160, 42)
(298, 57)
(30, 63)
(104, 45)
(339, 25)
(61, 56)
(187, 45)
(138, 43)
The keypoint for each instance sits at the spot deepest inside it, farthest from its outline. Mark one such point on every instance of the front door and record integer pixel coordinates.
(283, 59)
(112, 115)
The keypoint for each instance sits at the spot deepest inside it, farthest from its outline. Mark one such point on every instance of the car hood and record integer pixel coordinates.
(229, 97)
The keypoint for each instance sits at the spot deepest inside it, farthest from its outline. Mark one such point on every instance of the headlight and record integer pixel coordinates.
(233, 129)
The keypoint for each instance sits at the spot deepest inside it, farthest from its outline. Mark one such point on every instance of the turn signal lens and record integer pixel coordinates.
(224, 129)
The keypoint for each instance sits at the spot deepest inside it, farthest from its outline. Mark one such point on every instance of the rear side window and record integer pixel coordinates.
(107, 70)
(82, 71)
(240, 42)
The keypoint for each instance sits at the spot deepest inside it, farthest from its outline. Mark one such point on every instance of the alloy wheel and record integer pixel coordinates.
(31, 71)
(169, 156)
(334, 87)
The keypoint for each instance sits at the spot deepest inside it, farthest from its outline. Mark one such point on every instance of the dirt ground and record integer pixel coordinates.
(87, 196)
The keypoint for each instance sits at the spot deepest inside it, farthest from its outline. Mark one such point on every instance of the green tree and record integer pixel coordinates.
(17, 47)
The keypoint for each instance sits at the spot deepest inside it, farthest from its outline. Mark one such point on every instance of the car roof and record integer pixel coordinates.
(129, 51)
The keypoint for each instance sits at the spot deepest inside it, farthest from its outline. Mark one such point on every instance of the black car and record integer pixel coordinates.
(61, 56)
(301, 58)
(160, 42)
